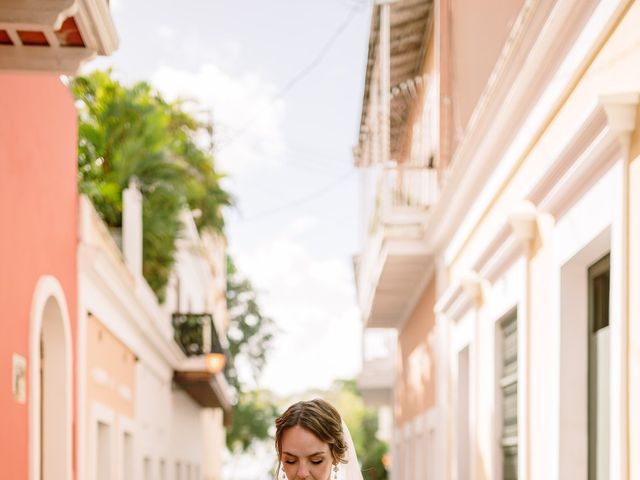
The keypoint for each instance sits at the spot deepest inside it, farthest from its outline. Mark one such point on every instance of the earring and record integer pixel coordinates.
(335, 471)
(284, 475)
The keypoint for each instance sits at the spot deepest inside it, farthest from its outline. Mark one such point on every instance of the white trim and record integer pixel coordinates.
(537, 119)
(48, 13)
(101, 414)
(128, 426)
(452, 303)
(621, 116)
(48, 287)
(474, 160)
(43, 58)
(572, 396)
(96, 26)
(589, 151)
(81, 374)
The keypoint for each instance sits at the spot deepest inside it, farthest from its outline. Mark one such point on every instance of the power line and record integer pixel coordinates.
(300, 201)
(296, 78)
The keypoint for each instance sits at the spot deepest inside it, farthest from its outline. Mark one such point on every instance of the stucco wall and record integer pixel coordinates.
(471, 36)
(479, 32)
(186, 433)
(38, 210)
(634, 306)
(591, 208)
(416, 367)
(111, 369)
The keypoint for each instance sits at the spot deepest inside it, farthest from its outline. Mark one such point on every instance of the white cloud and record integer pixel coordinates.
(248, 122)
(165, 31)
(116, 5)
(312, 301)
(303, 224)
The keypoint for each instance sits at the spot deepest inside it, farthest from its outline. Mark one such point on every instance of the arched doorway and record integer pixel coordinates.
(50, 384)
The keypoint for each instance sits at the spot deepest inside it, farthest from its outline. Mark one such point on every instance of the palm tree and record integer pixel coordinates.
(132, 132)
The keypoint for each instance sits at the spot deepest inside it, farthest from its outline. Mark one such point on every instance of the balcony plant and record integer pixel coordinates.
(132, 131)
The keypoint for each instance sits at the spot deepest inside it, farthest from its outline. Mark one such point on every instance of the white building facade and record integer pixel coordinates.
(149, 408)
(530, 244)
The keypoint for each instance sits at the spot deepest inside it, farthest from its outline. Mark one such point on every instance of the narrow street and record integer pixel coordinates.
(337, 240)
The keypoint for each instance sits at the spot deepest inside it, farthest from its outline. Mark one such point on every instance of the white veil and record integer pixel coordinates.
(351, 469)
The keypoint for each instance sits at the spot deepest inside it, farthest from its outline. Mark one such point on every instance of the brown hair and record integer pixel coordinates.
(318, 417)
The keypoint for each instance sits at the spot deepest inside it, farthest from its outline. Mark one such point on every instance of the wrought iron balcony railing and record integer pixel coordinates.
(196, 334)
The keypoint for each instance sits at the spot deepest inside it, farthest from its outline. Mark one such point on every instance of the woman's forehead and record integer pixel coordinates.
(300, 442)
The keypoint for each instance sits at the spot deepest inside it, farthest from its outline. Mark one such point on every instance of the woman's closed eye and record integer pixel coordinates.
(315, 462)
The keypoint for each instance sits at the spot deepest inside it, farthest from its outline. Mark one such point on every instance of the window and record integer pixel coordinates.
(147, 468)
(103, 453)
(163, 468)
(509, 390)
(127, 456)
(463, 433)
(599, 344)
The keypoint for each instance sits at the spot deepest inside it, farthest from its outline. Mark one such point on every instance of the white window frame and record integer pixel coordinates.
(102, 414)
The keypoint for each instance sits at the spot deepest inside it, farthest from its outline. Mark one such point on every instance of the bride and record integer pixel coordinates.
(313, 443)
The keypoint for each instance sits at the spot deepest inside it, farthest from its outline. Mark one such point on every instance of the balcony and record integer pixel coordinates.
(376, 379)
(201, 376)
(395, 257)
(54, 35)
(195, 334)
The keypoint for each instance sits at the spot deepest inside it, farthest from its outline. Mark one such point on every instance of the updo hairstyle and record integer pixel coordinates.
(318, 417)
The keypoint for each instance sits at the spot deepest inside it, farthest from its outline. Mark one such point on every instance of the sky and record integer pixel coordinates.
(283, 82)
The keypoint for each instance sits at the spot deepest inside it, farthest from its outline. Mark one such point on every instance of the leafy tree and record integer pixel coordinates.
(250, 336)
(253, 417)
(130, 132)
(250, 332)
(371, 451)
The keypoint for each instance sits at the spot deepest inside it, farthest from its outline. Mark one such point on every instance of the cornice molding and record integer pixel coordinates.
(464, 293)
(523, 220)
(501, 131)
(621, 111)
(37, 12)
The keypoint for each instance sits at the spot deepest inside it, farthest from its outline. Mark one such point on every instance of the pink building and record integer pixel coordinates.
(38, 214)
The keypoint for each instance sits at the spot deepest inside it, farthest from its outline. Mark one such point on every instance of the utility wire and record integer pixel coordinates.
(325, 157)
(296, 78)
(300, 201)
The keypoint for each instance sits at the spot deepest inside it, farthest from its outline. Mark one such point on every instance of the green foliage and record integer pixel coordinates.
(250, 332)
(189, 334)
(371, 449)
(253, 417)
(132, 132)
(250, 336)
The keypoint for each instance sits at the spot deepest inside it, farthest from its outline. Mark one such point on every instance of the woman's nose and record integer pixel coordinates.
(303, 470)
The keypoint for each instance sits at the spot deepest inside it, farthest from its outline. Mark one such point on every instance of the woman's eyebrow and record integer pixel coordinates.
(312, 455)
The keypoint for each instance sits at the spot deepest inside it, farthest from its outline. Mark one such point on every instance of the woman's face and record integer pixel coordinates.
(305, 456)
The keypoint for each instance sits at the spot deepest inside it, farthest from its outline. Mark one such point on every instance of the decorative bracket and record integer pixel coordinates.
(471, 283)
(621, 110)
(523, 220)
